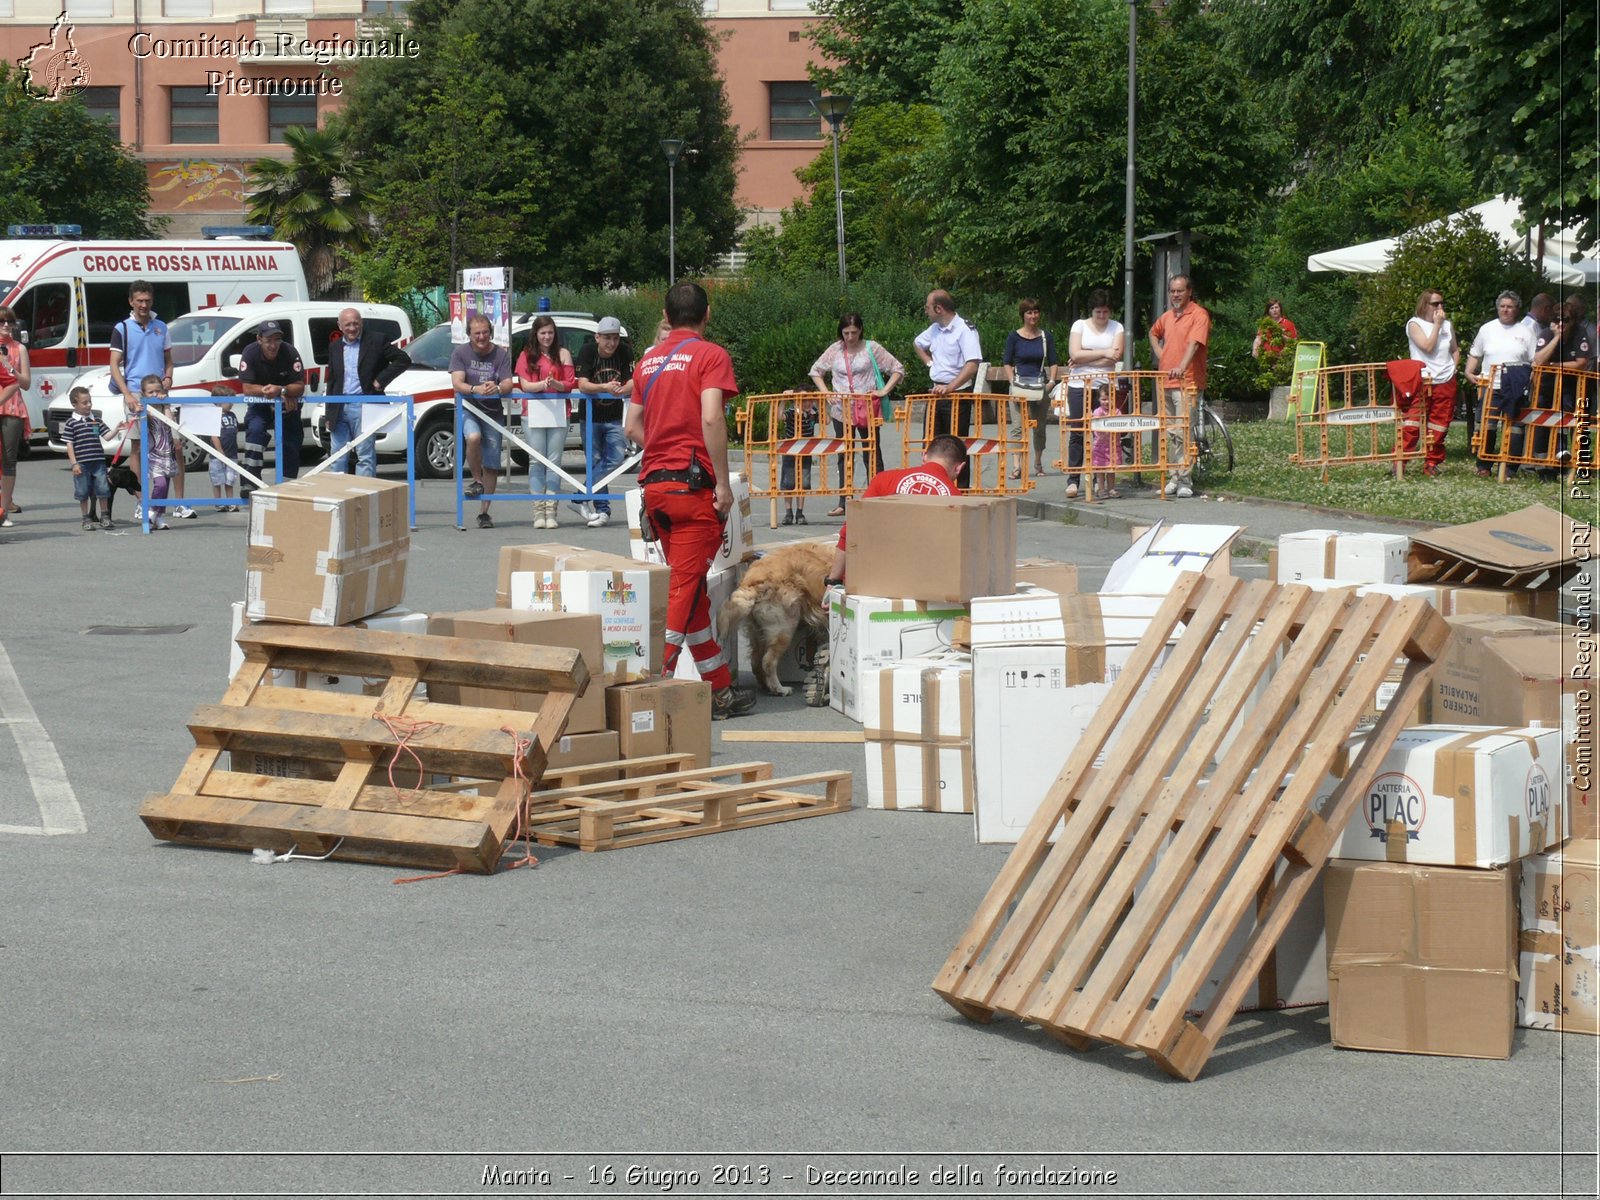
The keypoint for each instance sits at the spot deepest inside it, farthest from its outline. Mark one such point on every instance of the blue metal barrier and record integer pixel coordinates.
(589, 490)
(180, 435)
(408, 407)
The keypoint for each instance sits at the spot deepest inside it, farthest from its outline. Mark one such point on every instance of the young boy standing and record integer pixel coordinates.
(223, 477)
(82, 433)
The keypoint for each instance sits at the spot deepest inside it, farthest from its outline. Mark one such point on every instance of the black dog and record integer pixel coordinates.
(122, 480)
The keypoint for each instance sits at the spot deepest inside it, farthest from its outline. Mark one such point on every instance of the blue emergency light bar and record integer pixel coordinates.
(261, 232)
(44, 231)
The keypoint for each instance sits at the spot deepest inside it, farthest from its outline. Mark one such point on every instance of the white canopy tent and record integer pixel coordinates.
(1500, 217)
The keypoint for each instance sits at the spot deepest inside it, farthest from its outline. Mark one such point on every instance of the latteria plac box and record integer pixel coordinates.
(1457, 795)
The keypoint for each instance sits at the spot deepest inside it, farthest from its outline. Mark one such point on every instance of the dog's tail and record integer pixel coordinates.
(734, 610)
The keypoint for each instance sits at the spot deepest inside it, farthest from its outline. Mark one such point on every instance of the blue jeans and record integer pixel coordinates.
(548, 441)
(93, 482)
(606, 451)
(344, 431)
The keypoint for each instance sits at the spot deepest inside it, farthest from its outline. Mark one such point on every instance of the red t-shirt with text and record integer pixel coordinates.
(667, 382)
(930, 479)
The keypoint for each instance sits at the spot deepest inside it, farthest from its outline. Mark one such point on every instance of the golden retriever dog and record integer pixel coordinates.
(781, 590)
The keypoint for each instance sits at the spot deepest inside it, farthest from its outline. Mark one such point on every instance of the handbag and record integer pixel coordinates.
(885, 402)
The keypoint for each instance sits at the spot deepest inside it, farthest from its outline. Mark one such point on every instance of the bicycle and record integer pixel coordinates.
(1213, 444)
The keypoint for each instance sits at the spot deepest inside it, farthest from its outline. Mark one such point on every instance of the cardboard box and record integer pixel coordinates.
(1047, 575)
(939, 549)
(1559, 992)
(661, 716)
(630, 597)
(1361, 558)
(871, 631)
(1457, 795)
(581, 631)
(918, 719)
(1054, 672)
(1422, 959)
(1466, 677)
(581, 749)
(1161, 553)
(1559, 893)
(1499, 602)
(738, 532)
(1535, 548)
(392, 620)
(279, 766)
(327, 550)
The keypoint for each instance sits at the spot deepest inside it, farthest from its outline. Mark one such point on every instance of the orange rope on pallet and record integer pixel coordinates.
(405, 730)
(521, 743)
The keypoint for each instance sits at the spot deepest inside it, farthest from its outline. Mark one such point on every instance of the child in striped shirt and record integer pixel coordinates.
(90, 482)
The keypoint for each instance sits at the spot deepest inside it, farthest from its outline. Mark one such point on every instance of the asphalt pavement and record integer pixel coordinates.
(733, 1014)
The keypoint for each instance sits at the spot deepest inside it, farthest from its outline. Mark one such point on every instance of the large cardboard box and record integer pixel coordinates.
(630, 597)
(939, 549)
(1466, 682)
(1422, 959)
(1559, 900)
(1047, 575)
(1499, 602)
(918, 719)
(326, 550)
(870, 631)
(1534, 548)
(581, 631)
(1457, 795)
(581, 749)
(661, 716)
(738, 531)
(1159, 554)
(1042, 666)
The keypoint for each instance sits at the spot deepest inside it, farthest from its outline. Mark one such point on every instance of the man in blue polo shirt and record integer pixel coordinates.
(139, 347)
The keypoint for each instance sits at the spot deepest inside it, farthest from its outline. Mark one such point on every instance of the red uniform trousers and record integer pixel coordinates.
(1434, 407)
(690, 532)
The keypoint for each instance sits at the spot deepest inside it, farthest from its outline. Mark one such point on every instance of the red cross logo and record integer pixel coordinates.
(46, 388)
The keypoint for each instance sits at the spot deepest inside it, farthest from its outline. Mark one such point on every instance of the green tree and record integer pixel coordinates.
(60, 165)
(886, 222)
(1464, 261)
(1523, 98)
(446, 200)
(885, 49)
(1027, 181)
(315, 199)
(572, 99)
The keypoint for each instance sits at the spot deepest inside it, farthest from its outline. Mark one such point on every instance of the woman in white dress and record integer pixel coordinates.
(1095, 347)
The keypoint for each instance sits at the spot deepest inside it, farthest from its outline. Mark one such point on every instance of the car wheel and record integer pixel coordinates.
(194, 458)
(436, 449)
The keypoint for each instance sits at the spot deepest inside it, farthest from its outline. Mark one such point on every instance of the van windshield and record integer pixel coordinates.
(193, 336)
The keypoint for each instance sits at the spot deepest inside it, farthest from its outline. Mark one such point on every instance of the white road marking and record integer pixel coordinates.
(41, 765)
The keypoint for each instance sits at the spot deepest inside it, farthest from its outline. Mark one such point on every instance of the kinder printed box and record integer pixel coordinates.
(918, 718)
(872, 631)
(1455, 795)
(622, 601)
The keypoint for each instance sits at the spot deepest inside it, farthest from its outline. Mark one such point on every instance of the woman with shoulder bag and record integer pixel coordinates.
(863, 373)
(1031, 363)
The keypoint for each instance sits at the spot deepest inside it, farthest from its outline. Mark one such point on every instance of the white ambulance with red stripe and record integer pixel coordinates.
(68, 294)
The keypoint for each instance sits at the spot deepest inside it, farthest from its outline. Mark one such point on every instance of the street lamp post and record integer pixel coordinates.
(833, 109)
(672, 148)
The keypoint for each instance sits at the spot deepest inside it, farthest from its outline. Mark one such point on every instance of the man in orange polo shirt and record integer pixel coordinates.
(1179, 339)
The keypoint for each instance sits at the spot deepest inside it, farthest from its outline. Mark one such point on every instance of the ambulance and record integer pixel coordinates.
(68, 293)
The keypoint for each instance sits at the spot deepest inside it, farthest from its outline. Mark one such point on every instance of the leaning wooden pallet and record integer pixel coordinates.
(1179, 836)
(381, 748)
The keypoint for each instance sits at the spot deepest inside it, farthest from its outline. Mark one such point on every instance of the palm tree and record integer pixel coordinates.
(314, 199)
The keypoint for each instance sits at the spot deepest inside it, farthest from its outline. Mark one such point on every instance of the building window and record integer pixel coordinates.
(284, 111)
(378, 8)
(286, 6)
(77, 9)
(7, 8)
(789, 6)
(194, 116)
(791, 116)
(185, 8)
(104, 104)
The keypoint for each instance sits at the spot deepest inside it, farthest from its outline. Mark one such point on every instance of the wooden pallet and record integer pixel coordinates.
(1212, 841)
(635, 811)
(360, 815)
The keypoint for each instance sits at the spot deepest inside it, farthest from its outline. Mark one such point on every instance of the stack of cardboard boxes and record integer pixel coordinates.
(1455, 901)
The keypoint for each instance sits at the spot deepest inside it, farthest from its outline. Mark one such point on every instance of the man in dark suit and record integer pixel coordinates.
(359, 364)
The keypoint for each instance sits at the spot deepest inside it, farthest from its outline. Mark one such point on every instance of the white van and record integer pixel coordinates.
(206, 347)
(69, 294)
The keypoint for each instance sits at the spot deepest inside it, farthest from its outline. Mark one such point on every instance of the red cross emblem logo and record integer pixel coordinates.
(46, 388)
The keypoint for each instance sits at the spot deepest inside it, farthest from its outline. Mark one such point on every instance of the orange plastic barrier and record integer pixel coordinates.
(792, 451)
(1551, 429)
(1123, 416)
(925, 416)
(1355, 421)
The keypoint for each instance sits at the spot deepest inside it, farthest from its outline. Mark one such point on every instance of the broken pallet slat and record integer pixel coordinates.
(1201, 819)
